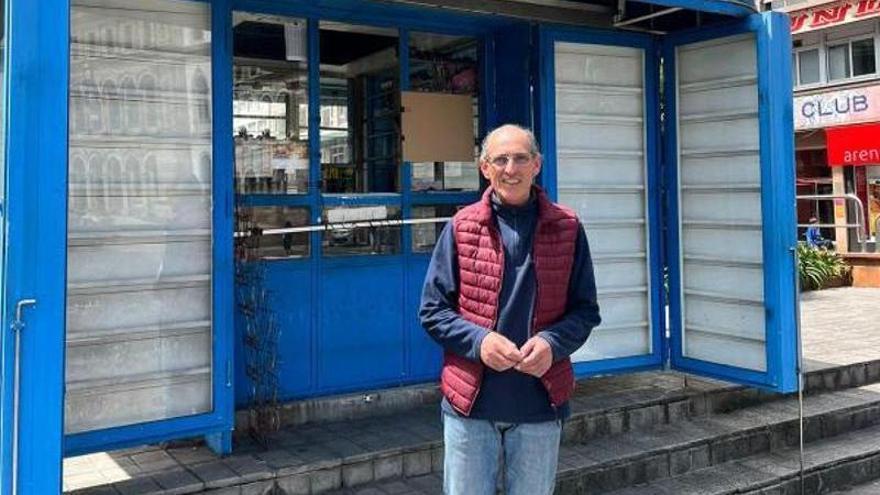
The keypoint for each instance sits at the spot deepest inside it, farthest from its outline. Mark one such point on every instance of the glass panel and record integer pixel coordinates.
(838, 62)
(347, 236)
(257, 244)
(360, 109)
(270, 104)
(809, 66)
(139, 322)
(425, 235)
(446, 64)
(863, 57)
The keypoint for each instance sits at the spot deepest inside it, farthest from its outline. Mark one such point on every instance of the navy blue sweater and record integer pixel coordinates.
(509, 396)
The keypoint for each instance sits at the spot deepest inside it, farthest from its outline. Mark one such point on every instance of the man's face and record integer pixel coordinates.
(510, 167)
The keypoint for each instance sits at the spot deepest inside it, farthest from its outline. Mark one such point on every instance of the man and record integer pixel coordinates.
(509, 294)
(814, 237)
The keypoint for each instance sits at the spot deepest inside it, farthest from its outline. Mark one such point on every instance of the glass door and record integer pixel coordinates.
(142, 303)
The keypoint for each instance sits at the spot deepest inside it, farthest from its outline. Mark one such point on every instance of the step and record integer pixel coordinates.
(621, 461)
(830, 464)
(384, 402)
(323, 456)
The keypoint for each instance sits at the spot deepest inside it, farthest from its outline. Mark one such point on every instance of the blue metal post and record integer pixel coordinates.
(35, 209)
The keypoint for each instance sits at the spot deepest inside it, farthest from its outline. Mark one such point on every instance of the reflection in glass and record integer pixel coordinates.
(863, 57)
(838, 62)
(360, 109)
(346, 238)
(139, 253)
(445, 64)
(425, 235)
(252, 221)
(809, 66)
(270, 105)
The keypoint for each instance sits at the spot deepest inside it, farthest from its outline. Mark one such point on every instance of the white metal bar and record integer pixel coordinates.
(344, 226)
(635, 20)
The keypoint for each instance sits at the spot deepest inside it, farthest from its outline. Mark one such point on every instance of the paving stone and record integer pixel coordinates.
(266, 487)
(139, 486)
(216, 474)
(249, 468)
(325, 480)
(295, 484)
(193, 455)
(388, 467)
(178, 480)
(417, 463)
(358, 473)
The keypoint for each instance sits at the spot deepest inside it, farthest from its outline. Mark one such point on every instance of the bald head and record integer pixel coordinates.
(508, 131)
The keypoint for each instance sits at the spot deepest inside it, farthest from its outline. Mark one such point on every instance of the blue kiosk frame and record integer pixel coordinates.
(34, 193)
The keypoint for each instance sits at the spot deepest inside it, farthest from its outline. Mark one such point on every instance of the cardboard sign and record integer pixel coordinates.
(437, 127)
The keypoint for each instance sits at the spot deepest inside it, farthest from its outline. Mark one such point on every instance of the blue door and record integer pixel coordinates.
(34, 160)
(731, 219)
(599, 136)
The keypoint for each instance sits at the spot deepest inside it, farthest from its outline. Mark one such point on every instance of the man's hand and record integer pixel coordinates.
(499, 353)
(537, 357)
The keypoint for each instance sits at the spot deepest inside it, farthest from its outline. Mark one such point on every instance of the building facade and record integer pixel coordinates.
(212, 206)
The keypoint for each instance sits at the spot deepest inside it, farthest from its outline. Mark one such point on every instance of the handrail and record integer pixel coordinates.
(861, 235)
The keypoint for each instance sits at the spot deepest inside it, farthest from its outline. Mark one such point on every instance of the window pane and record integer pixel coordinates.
(809, 66)
(255, 243)
(425, 235)
(838, 62)
(349, 234)
(863, 57)
(446, 64)
(270, 105)
(360, 109)
(139, 322)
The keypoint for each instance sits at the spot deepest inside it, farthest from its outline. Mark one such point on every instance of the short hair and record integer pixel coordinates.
(533, 142)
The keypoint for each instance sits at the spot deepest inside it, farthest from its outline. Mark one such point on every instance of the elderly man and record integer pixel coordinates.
(509, 295)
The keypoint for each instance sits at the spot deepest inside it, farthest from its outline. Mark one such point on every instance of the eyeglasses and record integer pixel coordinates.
(518, 159)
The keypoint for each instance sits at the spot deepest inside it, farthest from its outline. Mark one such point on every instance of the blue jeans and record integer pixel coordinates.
(474, 450)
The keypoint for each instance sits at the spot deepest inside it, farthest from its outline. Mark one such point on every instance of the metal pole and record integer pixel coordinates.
(800, 364)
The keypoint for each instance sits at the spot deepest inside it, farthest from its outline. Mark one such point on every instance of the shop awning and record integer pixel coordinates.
(853, 145)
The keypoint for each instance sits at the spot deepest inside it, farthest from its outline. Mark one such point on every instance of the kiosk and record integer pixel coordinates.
(151, 147)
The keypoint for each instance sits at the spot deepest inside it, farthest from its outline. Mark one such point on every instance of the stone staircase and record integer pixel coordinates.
(647, 433)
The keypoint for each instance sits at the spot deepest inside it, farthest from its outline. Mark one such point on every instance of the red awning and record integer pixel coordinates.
(853, 145)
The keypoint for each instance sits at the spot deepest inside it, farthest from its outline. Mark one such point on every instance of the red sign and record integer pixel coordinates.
(853, 145)
(832, 14)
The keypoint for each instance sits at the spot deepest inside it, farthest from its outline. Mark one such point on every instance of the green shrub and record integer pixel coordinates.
(817, 268)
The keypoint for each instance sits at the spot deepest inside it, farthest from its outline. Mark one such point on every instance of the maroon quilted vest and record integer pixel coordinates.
(481, 266)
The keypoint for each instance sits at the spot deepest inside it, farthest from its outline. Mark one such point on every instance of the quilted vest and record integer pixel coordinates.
(481, 267)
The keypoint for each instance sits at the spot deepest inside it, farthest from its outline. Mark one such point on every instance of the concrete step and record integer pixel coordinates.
(870, 488)
(830, 463)
(628, 429)
(385, 402)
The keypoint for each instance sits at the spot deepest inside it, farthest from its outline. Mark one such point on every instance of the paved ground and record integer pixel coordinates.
(839, 326)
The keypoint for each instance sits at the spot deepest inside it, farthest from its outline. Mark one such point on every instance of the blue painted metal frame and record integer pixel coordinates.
(35, 264)
(777, 203)
(218, 424)
(547, 132)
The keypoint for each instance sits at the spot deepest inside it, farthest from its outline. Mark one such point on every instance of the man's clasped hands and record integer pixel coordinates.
(500, 354)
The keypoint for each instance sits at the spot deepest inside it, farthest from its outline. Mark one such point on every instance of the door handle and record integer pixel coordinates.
(17, 327)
